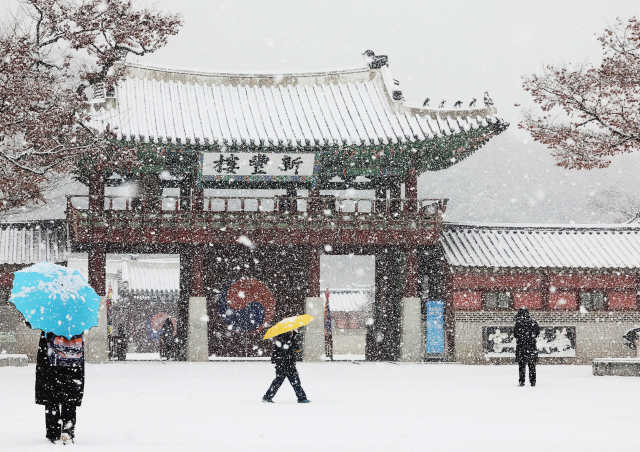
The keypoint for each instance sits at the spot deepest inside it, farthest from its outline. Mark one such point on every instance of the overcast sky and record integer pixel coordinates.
(454, 50)
(443, 50)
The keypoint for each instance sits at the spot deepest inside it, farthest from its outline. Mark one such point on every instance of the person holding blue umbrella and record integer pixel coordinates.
(58, 301)
(60, 383)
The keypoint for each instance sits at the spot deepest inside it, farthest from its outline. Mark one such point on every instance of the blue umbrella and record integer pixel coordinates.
(55, 299)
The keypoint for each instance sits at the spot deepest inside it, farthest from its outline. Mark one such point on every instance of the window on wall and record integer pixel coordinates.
(497, 300)
(593, 300)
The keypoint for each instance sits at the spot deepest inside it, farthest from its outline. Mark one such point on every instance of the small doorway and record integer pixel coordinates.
(350, 283)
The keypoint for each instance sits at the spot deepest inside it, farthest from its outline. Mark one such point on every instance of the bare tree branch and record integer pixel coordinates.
(50, 54)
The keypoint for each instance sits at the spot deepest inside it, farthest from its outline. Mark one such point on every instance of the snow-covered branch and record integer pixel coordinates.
(51, 53)
(596, 109)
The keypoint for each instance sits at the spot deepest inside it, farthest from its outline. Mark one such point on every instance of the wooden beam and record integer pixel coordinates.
(314, 271)
(411, 274)
(98, 268)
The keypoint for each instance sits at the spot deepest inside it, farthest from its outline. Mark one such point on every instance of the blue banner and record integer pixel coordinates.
(435, 326)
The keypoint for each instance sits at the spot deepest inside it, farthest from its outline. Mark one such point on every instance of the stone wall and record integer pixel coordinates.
(598, 334)
(349, 341)
(15, 336)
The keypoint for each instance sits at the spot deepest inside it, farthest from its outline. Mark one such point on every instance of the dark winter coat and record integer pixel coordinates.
(167, 339)
(526, 332)
(285, 351)
(57, 384)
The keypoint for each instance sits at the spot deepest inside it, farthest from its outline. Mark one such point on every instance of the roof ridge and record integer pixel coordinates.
(240, 74)
(541, 226)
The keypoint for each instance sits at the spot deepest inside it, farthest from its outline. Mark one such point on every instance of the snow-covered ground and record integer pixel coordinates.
(152, 406)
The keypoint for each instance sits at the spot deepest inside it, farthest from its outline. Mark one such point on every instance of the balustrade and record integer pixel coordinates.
(365, 220)
(325, 204)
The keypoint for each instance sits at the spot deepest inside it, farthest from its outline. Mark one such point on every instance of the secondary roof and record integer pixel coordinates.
(541, 246)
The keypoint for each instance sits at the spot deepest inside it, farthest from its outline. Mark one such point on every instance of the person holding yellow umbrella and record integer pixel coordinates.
(284, 356)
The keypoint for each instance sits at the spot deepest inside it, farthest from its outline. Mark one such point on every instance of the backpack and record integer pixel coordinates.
(65, 352)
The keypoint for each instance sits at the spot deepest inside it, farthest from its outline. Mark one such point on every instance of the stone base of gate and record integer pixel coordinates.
(412, 337)
(197, 338)
(96, 342)
(313, 348)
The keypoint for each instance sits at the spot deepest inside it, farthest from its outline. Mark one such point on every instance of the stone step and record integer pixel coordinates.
(624, 367)
(11, 360)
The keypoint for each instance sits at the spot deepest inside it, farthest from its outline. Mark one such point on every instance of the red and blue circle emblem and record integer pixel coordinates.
(246, 305)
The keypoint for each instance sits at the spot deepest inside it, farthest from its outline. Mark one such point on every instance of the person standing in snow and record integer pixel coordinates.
(60, 384)
(284, 356)
(526, 333)
(167, 339)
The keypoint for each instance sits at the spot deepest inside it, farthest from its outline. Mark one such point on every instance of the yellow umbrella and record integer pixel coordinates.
(288, 324)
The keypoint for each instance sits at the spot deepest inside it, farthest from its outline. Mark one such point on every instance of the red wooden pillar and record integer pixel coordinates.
(98, 268)
(314, 206)
(411, 190)
(381, 201)
(198, 198)
(197, 274)
(197, 191)
(395, 193)
(96, 192)
(313, 288)
(411, 278)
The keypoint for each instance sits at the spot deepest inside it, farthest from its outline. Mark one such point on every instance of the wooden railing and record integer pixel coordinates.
(170, 219)
(326, 204)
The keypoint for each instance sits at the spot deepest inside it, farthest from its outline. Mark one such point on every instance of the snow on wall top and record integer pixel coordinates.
(33, 242)
(540, 246)
(351, 106)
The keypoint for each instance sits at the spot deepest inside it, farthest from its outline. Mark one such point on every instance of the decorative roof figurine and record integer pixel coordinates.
(488, 102)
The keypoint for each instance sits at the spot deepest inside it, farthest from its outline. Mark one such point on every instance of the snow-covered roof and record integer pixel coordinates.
(348, 300)
(36, 241)
(351, 107)
(542, 246)
(148, 276)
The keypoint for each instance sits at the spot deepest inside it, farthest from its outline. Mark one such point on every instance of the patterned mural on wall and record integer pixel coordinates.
(246, 305)
(553, 341)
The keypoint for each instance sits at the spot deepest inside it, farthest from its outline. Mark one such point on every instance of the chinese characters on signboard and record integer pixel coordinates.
(229, 165)
(553, 341)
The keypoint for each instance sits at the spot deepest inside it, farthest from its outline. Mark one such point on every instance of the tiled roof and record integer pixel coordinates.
(350, 107)
(349, 300)
(29, 243)
(540, 246)
(149, 276)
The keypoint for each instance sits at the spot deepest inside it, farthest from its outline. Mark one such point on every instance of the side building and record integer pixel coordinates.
(579, 282)
(22, 245)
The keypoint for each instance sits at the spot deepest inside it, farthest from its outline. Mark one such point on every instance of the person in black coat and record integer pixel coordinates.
(284, 356)
(167, 339)
(60, 383)
(526, 333)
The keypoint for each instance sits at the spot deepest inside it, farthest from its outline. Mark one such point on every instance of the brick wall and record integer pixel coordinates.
(545, 291)
(598, 334)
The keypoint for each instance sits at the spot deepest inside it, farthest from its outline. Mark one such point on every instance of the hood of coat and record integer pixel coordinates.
(285, 338)
(523, 314)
